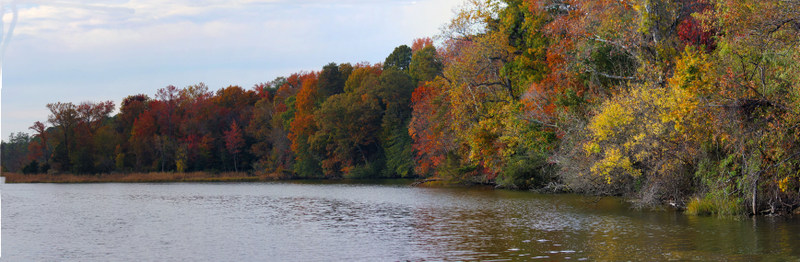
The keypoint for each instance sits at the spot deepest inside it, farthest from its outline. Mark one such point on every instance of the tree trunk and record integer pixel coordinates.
(754, 199)
(235, 167)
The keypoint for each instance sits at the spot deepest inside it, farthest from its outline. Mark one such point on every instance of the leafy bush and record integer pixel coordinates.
(525, 172)
(31, 168)
(372, 169)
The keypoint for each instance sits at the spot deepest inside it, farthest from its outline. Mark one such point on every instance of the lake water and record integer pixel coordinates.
(315, 221)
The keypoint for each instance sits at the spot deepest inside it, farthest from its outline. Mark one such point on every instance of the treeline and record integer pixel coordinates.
(692, 102)
(342, 121)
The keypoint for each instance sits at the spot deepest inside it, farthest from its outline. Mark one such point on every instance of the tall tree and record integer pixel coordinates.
(234, 142)
(64, 116)
(42, 148)
(347, 136)
(399, 59)
(395, 91)
(331, 80)
(92, 134)
(433, 139)
(302, 126)
(425, 64)
(142, 139)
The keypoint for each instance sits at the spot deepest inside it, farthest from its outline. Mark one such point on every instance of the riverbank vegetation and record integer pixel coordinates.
(689, 102)
(150, 177)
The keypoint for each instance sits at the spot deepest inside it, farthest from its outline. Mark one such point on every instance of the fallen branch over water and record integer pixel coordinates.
(420, 182)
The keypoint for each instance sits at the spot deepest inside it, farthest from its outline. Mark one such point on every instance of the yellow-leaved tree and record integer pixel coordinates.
(651, 134)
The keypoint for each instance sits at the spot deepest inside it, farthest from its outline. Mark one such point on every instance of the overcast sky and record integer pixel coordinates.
(92, 50)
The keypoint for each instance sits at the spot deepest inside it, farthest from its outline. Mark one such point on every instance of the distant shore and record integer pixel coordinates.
(168, 177)
(135, 177)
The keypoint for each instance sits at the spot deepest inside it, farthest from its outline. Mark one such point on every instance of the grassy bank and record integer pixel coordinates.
(134, 177)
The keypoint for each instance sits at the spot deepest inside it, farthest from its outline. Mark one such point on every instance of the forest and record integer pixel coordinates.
(694, 103)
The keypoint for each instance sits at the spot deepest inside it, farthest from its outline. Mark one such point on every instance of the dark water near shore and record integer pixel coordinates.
(314, 221)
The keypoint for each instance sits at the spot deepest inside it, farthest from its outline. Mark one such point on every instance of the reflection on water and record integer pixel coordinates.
(372, 222)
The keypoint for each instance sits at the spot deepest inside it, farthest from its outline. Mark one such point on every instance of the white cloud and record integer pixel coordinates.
(149, 23)
(73, 49)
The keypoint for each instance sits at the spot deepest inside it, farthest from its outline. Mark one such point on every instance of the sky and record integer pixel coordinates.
(98, 50)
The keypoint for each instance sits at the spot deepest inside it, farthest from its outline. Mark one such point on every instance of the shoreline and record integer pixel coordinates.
(200, 177)
(156, 177)
(167, 177)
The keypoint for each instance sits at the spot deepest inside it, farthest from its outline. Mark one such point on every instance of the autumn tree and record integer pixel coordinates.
(266, 126)
(432, 137)
(198, 114)
(130, 109)
(303, 126)
(236, 101)
(234, 142)
(488, 63)
(420, 43)
(756, 63)
(64, 116)
(142, 139)
(347, 141)
(93, 153)
(40, 149)
(347, 135)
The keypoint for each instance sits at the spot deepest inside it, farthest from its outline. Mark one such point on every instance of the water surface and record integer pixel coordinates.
(313, 221)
